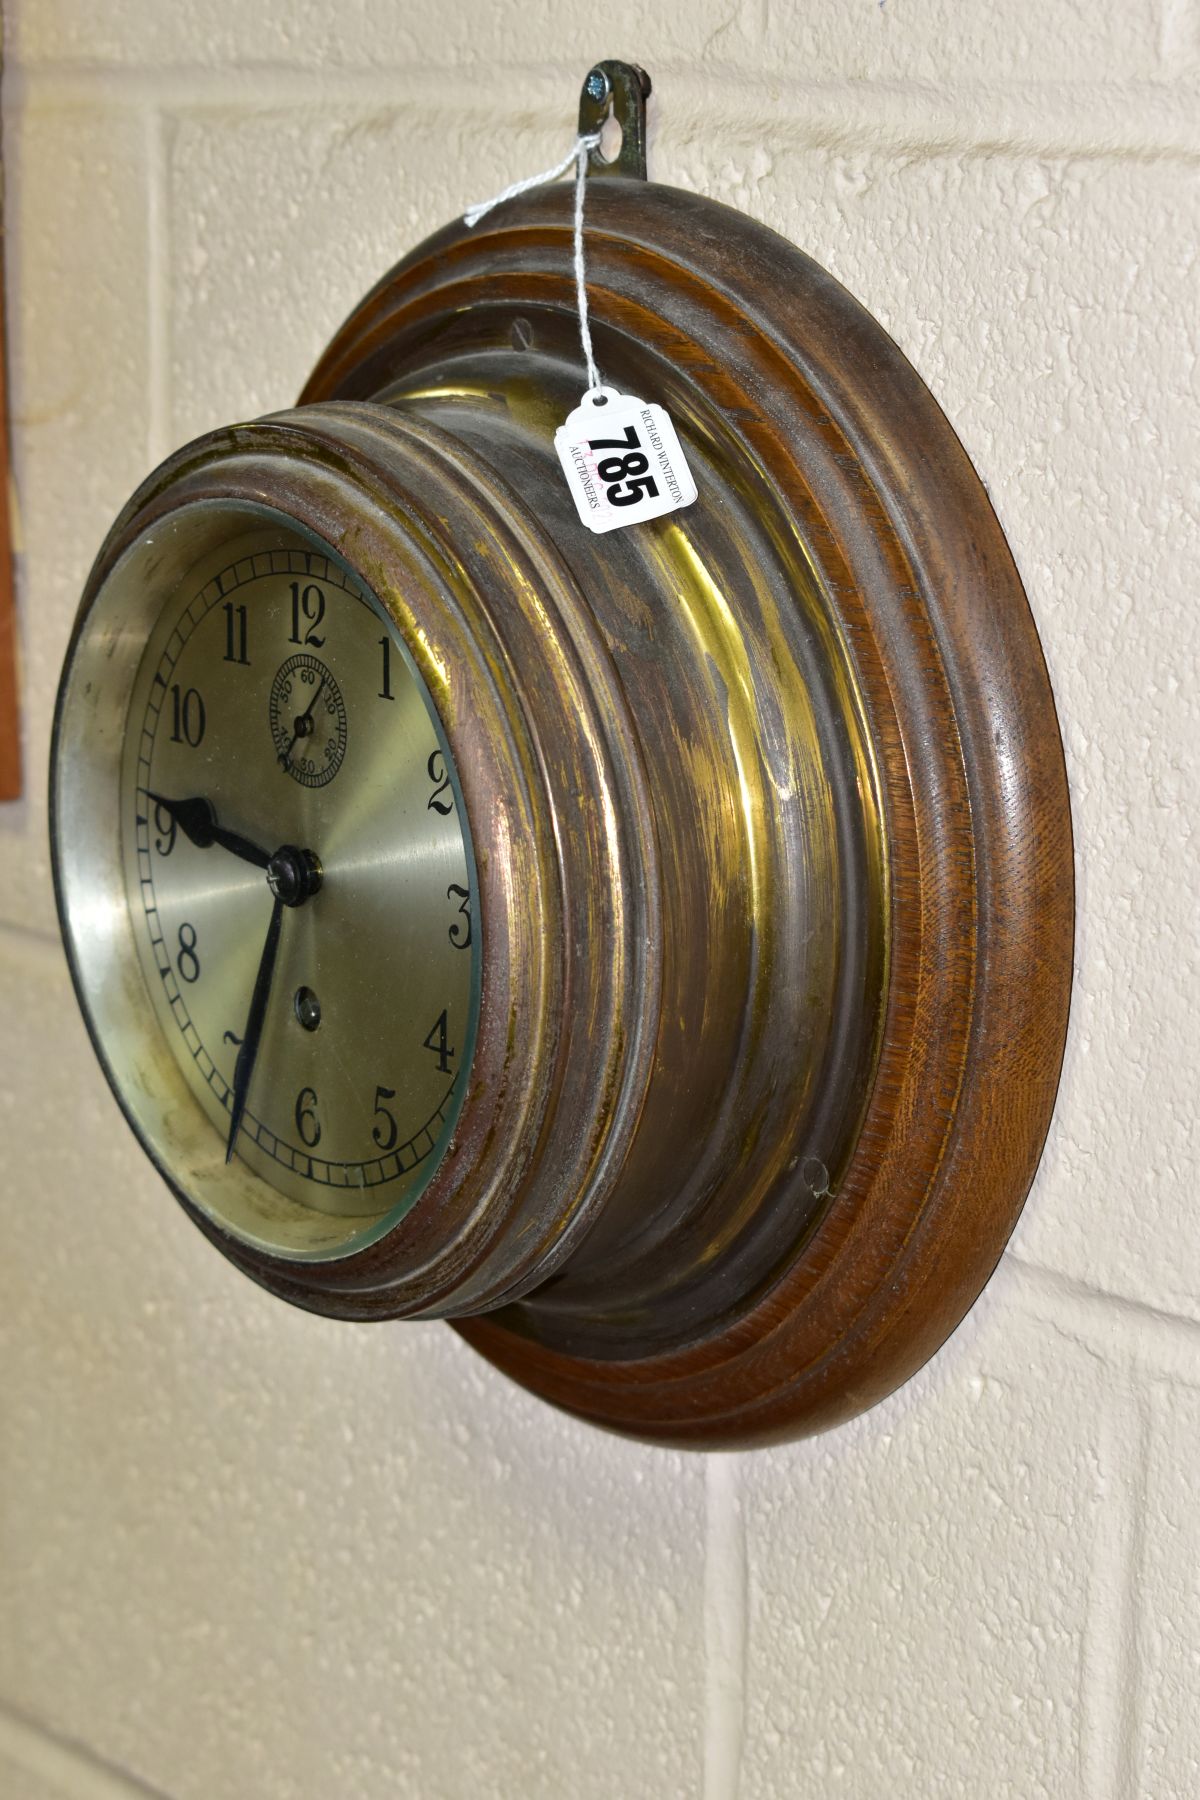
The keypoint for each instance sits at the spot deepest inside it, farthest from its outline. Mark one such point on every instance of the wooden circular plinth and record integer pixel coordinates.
(840, 522)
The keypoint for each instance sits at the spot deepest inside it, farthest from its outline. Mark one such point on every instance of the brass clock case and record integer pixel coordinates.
(768, 809)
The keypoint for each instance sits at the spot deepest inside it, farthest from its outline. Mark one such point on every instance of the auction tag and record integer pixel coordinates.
(622, 460)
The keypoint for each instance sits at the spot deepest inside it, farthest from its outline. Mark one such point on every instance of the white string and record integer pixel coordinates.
(585, 331)
(578, 154)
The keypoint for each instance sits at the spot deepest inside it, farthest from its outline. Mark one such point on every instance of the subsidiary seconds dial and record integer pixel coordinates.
(300, 878)
(308, 719)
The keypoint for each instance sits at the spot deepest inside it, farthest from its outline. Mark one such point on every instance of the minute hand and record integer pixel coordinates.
(294, 876)
(247, 1055)
(198, 822)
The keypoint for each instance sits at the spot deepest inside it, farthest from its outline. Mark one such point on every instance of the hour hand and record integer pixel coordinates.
(197, 820)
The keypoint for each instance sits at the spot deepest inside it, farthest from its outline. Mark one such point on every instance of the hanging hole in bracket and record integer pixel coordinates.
(611, 139)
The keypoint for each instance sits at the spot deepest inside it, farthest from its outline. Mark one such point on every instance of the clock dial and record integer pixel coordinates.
(299, 875)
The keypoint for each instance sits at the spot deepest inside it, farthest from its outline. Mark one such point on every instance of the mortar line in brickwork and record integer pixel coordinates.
(1163, 1342)
(725, 1627)
(1144, 121)
(1178, 29)
(158, 296)
(1132, 1651)
(68, 1767)
(1108, 1662)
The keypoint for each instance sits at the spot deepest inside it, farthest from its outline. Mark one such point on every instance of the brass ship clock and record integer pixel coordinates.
(648, 951)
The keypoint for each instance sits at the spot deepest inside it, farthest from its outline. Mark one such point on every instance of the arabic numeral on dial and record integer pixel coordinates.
(186, 961)
(235, 633)
(385, 1133)
(187, 717)
(164, 825)
(385, 691)
(460, 931)
(439, 1042)
(308, 609)
(307, 1122)
(441, 800)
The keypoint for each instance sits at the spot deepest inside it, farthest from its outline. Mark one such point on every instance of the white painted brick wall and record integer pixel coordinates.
(246, 1552)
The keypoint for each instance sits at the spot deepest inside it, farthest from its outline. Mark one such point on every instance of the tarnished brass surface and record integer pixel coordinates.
(856, 797)
(732, 700)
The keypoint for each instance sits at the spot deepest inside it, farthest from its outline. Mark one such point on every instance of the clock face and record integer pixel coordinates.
(299, 877)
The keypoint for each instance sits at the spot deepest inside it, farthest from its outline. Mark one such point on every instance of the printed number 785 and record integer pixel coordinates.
(625, 477)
